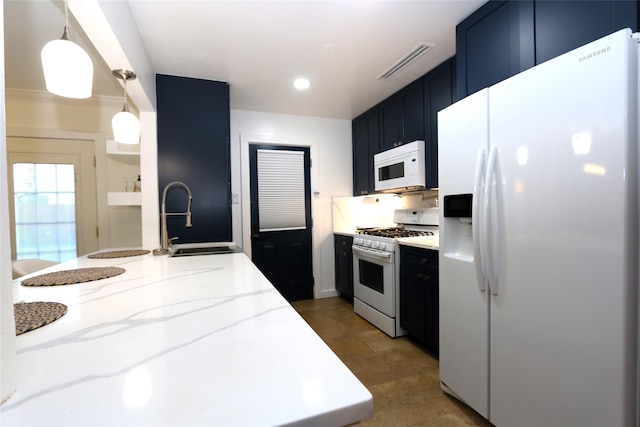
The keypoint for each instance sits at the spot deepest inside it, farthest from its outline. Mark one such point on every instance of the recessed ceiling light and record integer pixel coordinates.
(301, 84)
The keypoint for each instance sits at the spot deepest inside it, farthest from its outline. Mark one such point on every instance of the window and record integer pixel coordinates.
(44, 209)
(52, 198)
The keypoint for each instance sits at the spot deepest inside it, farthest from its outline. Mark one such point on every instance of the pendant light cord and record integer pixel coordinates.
(65, 34)
(125, 108)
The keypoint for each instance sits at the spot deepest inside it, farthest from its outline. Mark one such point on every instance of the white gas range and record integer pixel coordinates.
(376, 257)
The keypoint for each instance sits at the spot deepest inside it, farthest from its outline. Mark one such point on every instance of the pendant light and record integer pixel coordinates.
(68, 70)
(126, 126)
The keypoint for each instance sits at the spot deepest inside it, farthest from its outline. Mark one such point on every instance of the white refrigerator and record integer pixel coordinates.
(539, 242)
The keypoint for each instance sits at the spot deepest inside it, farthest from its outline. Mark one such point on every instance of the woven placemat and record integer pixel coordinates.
(32, 315)
(119, 254)
(68, 277)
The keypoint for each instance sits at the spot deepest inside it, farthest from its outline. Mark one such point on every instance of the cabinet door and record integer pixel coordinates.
(361, 183)
(438, 94)
(419, 303)
(193, 147)
(391, 133)
(365, 129)
(494, 43)
(561, 26)
(432, 311)
(412, 301)
(402, 117)
(413, 112)
(344, 265)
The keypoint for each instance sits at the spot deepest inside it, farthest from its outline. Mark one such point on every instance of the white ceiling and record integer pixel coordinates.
(259, 47)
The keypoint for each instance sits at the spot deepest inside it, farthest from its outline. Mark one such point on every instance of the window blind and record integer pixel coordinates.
(281, 190)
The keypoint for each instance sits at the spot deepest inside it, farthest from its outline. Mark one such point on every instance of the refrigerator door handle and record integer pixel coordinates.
(489, 233)
(476, 223)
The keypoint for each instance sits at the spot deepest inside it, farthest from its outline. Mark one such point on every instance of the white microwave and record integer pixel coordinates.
(400, 168)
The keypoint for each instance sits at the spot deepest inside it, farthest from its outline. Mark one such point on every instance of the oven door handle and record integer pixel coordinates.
(371, 254)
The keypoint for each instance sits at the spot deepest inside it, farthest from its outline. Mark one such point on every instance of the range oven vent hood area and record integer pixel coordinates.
(400, 169)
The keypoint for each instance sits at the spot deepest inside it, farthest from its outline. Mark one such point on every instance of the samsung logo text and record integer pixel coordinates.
(594, 54)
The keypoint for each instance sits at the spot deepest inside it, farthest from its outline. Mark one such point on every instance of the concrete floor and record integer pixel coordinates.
(402, 377)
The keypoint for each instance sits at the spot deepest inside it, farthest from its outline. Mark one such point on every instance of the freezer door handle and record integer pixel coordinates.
(476, 222)
(490, 234)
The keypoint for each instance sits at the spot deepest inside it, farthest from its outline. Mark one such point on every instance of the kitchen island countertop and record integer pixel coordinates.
(202, 340)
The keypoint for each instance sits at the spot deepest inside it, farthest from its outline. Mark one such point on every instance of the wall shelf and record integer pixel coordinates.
(121, 198)
(129, 154)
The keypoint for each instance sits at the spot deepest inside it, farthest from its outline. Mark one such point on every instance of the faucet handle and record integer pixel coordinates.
(172, 239)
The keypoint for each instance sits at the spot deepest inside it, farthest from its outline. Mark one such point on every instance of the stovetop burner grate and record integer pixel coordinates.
(393, 232)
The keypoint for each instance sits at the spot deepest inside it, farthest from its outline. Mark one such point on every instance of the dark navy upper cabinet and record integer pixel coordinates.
(408, 115)
(365, 129)
(193, 147)
(503, 38)
(413, 113)
(561, 26)
(402, 117)
(494, 43)
(438, 94)
(391, 133)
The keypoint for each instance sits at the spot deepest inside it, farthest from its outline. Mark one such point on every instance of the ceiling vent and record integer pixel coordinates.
(415, 53)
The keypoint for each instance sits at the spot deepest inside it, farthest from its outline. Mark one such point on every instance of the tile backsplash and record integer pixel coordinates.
(376, 210)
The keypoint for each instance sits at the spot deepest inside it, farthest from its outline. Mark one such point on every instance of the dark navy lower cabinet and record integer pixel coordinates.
(193, 147)
(419, 295)
(344, 265)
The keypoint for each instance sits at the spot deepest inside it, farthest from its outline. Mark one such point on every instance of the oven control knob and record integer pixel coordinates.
(383, 245)
(375, 245)
(367, 243)
(356, 241)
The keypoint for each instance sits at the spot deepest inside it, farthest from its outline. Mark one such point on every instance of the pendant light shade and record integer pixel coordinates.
(68, 70)
(126, 126)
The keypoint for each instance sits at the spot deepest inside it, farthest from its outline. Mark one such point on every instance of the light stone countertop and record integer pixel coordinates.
(428, 242)
(201, 340)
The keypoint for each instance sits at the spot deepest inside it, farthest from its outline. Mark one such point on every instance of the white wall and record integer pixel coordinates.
(8, 377)
(330, 146)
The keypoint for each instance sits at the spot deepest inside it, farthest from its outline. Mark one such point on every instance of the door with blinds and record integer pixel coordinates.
(281, 217)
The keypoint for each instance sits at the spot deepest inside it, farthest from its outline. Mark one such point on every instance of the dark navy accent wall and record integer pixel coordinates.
(193, 147)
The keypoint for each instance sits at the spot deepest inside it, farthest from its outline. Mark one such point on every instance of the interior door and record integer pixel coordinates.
(281, 242)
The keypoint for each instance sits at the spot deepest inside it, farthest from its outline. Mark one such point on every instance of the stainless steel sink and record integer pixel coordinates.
(210, 248)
